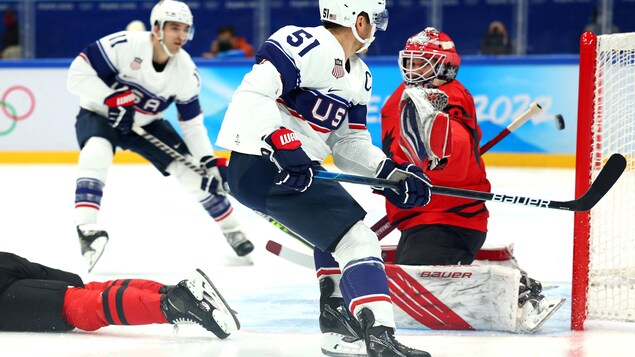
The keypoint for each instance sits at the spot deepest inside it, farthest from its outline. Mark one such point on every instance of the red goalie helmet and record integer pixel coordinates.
(429, 55)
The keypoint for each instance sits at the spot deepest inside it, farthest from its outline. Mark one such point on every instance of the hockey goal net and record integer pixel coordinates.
(604, 238)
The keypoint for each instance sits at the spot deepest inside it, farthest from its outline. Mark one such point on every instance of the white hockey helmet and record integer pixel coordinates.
(345, 12)
(172, 10)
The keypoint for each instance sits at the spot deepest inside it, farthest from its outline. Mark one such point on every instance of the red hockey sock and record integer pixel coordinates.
(148, 285)
(116, 305)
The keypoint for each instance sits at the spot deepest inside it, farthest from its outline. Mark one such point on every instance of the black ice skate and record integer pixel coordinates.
(197, 301)
(241, 245)
(380, 340)
(92, 241)
(341, 332)
(528, 289)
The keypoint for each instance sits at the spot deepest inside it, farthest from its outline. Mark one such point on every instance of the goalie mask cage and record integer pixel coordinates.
(603, 286)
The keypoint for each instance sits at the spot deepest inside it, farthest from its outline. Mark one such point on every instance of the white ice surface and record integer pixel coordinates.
(159, 232)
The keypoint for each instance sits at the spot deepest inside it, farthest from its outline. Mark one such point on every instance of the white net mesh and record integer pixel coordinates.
(611, 293)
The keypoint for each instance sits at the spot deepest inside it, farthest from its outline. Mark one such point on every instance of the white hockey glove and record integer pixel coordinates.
(215, 182)
(425, 129)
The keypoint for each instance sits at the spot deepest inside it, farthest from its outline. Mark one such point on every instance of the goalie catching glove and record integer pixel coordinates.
(425, 129)
(414, 185)
(121, 110)
(295, 168)
(215, 182)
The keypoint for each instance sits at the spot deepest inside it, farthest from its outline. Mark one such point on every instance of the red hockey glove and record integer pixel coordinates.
(121, 110)
(215, 181)
(295, 168)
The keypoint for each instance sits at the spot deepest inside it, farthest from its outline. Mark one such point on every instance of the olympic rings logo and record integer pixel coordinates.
(9, 110)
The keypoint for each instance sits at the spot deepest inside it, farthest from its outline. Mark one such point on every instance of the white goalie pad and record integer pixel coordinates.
(454, 297)
(425, 129)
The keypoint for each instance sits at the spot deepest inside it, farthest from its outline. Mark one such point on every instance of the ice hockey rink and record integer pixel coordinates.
(157, 231)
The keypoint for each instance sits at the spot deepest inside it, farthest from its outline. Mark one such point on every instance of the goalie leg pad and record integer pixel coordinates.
(34, 305)
(435, 296)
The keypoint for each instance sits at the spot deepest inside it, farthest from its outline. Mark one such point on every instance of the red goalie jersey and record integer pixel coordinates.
(465, 169)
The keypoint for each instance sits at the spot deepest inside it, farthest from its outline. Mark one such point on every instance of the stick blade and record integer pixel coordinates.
(290, 255)
(610, 173)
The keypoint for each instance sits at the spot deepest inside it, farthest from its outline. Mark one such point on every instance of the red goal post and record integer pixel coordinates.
(603, 286)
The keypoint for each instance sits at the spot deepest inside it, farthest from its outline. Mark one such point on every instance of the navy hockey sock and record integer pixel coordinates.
(364, 281)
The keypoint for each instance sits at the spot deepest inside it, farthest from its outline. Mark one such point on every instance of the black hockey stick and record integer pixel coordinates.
(199, 170)
(168, 150)
(602, 184)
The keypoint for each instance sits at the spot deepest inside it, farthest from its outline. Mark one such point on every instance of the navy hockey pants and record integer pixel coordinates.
(322, 214)
(91, 124)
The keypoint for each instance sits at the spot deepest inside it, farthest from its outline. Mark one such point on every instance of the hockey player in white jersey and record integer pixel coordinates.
(306, 98)
(127, 80)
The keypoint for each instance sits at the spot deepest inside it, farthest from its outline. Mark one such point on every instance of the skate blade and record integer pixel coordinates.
(211, 294)
(247, 259)
(92, 256)
(554, 305)
(534, 321)
(338, 345)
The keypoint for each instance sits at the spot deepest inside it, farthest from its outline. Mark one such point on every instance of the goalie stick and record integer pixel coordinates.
(383, 227)
(607, 177)
(534, 108)
(199, 170)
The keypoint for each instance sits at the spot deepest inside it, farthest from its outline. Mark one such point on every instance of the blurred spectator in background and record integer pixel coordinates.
(596, 25)
(227, 44)
(10, 46)
(136, 25)
(496, 40)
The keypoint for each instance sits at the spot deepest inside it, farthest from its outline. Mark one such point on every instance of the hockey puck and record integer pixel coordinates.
(559, 122)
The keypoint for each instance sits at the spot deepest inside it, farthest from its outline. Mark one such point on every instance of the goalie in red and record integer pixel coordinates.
(449, 230)
(430, 120)
(37, 298)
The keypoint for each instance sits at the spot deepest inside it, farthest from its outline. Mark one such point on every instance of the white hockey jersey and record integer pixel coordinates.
(124, 59)
(302, 82)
